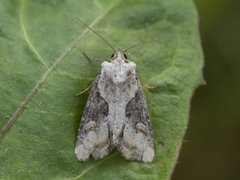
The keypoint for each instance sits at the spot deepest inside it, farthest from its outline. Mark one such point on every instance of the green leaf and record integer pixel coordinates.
(42, 68)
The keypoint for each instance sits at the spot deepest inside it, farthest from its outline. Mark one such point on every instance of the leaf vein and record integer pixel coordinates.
(93, 166)
(27, 39)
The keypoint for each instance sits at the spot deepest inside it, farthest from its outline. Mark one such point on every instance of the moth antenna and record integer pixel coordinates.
(79, 20)
(140, 44)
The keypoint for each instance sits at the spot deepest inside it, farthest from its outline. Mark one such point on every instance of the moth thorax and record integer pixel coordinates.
(119, 73)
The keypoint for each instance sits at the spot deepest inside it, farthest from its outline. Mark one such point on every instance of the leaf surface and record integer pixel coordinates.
(42, 68)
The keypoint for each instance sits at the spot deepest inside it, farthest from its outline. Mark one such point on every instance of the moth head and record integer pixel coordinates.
(118, 69)
(119, 56)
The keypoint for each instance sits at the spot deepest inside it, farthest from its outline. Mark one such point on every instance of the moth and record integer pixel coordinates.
(116, 114)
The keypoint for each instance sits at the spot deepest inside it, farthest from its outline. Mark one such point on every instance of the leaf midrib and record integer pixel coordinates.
(10, 122)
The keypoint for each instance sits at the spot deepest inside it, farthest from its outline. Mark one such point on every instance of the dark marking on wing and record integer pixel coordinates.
(136, 110)
(96, 108)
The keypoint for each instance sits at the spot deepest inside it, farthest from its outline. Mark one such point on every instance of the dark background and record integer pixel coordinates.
(211, 150)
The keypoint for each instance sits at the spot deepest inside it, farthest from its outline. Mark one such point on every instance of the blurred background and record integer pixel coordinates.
(211, 149)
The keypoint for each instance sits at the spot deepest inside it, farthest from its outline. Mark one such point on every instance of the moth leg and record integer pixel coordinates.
(85, 90)
(149, 87)
(90, 58)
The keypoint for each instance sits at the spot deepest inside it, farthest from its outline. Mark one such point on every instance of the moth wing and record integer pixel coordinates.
(137, 141)
(93, 134)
